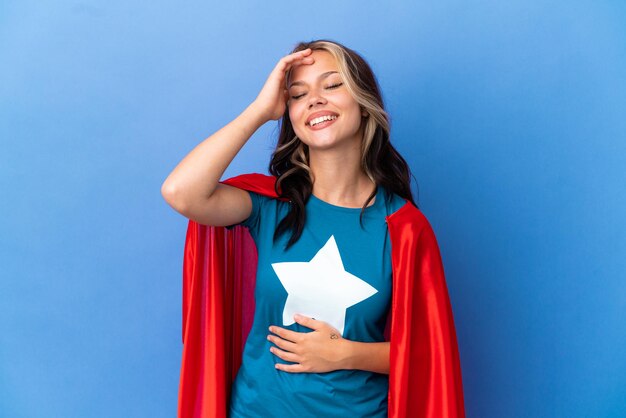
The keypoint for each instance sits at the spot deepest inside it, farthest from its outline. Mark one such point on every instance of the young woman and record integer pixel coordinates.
(330, 234)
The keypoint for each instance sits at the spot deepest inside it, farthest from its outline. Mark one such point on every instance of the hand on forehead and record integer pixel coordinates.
(307, 73)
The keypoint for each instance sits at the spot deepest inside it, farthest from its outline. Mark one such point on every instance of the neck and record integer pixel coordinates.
(338, 178)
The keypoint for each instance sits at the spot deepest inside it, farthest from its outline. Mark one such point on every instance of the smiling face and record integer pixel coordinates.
(318, 91)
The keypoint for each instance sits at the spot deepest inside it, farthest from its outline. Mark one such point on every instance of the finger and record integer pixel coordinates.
(295, 58)
(285, 355)
(286, 66)
(304, 60)
(284, 344)
(291, 368)
(306, 51)
(287, 334)
(308, 322)
(297, 63)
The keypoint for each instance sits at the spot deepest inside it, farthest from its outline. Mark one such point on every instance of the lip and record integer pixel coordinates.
(318, 114)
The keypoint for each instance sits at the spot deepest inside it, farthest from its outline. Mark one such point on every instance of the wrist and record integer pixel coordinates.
(257, 113)
(346, 354)
(369, 356)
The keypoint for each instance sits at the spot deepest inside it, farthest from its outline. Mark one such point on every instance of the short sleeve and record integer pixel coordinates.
(252, 222)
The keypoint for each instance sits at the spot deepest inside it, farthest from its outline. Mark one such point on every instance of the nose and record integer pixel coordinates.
(316, 97)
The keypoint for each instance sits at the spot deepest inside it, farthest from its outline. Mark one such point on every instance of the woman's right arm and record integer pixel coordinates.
(193, 187)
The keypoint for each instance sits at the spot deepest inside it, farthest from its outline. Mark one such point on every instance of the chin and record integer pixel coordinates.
(320, 141)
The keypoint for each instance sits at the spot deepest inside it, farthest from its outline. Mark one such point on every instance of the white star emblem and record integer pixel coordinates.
(321, 288)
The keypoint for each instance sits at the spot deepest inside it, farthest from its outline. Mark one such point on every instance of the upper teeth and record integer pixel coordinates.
(321, 119)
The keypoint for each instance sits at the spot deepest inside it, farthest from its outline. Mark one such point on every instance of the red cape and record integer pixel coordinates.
(219, 272)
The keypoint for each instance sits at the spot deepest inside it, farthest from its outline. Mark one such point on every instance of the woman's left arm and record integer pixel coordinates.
(373, 357)
(325, 350)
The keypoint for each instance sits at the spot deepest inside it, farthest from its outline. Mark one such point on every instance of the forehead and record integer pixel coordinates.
(308, 73)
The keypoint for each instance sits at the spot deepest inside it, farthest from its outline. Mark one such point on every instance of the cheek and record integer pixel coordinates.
(354, 114)
(291, 112)
(349, 104)
(294, 110)
(296, 119)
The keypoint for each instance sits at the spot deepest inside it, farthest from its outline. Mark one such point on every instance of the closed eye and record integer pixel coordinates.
(333, 86)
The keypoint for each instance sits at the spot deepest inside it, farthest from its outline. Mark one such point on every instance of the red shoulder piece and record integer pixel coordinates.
(219, 270)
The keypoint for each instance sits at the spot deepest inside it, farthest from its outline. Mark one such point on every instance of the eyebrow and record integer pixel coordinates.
(323, 75)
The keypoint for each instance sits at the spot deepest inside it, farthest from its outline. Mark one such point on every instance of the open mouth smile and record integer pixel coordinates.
(322, 122)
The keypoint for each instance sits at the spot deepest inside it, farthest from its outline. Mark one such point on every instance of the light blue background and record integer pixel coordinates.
(512, 116)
